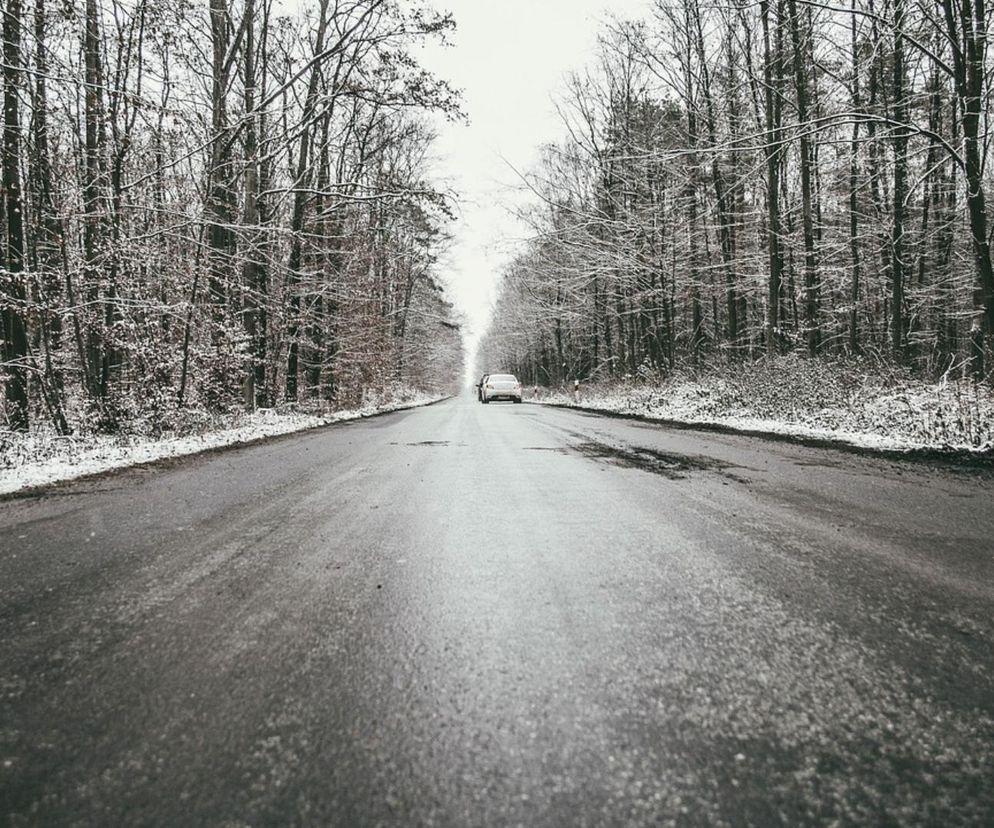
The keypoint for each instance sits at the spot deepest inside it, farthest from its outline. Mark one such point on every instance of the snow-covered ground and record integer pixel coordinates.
(846, 403)
(39, 459)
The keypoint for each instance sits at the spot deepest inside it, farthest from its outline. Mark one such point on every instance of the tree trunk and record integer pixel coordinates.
(900, 105)
(811, 299)
(723, 199)
(15, 350)
(697, 336)
(301, 180)
(253, 275)
(93, 219)
(772, 71)
(966, 24)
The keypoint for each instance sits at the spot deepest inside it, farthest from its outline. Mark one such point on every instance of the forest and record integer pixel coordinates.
(218, 206)
(747, 179)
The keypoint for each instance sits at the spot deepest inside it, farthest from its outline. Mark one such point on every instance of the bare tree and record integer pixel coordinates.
(15, 350)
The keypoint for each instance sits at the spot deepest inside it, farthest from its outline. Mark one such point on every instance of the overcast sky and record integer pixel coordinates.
(510, 58)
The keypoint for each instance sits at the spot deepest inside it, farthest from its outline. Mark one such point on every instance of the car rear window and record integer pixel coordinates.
(502, 378)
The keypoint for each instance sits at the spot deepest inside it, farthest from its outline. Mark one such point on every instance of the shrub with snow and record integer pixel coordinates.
(873, 405)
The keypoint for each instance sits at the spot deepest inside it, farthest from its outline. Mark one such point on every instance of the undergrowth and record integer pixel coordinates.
(839, 396)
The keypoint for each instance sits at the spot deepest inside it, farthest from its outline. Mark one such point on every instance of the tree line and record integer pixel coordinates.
(748, 178)
(218, 205)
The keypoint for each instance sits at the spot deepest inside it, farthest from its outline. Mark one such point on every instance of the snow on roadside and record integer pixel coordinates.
(619, 405)
(855, 407)
(33, 460)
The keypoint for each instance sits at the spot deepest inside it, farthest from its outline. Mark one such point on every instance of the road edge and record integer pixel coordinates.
(44, 489)
(946, 457)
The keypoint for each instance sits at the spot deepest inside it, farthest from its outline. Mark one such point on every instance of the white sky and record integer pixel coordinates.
(510, 59)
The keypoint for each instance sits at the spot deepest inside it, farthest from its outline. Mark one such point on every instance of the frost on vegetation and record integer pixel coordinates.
(872, 406)
(43, 457)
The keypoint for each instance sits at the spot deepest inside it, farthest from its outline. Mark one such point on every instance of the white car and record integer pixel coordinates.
(501, 387)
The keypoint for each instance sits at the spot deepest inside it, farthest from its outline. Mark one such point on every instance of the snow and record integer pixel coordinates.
(891, 412)
(27, 461)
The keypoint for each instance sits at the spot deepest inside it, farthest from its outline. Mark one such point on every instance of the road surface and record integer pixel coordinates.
(468, 615)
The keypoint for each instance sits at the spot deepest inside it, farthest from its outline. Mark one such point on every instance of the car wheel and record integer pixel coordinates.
(517, 400)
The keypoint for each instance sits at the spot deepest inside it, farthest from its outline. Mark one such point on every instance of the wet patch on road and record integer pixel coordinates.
(666, 464)
(822, 463)
(429, 443)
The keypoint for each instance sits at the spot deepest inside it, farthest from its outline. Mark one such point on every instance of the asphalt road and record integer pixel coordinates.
(472, 615)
